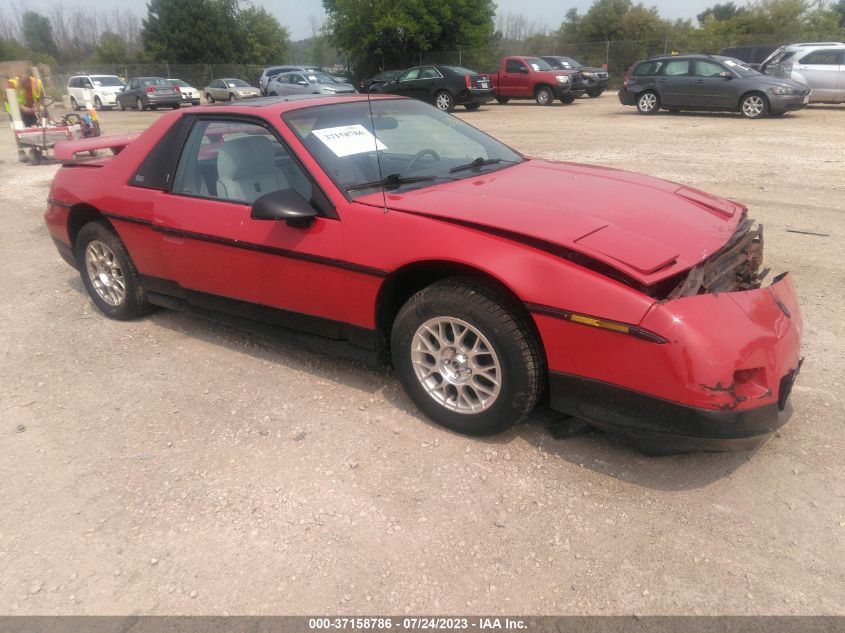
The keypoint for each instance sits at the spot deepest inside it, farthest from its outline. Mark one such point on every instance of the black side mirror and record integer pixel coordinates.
(726, 75)
(287, 205)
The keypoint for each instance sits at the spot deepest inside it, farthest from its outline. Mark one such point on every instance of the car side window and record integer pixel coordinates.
(704, 68)
(237, 162)
(414, 73)
(676, 67)
(514, 66)
(133, 85)
(428, 73)
(823, 58)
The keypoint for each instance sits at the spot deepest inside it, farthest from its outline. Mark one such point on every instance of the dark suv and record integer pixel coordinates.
(708, 82)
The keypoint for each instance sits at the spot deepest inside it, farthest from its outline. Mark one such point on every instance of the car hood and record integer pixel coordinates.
(646, 228)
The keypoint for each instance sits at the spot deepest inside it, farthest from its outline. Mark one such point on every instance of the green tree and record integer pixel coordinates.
(720, 12)
(193, 31)
(111, 49)
(265, 40)
(839, 11)
(393, 33)
(38, 34)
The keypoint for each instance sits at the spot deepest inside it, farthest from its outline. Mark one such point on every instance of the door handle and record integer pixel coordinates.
(699, 81)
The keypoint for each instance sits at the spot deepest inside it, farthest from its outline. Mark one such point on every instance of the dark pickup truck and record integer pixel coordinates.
(532, 78)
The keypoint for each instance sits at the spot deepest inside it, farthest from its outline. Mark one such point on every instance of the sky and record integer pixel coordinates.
(295, 15)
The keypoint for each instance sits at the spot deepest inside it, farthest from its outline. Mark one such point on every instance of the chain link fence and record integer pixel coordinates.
(618, 55)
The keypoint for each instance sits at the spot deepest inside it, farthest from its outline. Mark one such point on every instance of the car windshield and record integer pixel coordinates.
(319, 78)
(236, 83)
(740, 68)
(537, 64)
(106, 80)
(568, 62)
(418, 145)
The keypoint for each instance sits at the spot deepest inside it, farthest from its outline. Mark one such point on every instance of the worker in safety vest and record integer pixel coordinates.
(30, 99)
(7, 82)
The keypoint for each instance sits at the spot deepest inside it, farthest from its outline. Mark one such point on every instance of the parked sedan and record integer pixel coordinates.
(230, 90)
(305, 83)
(190, 95)
(376, 83)
(443, 86)
(708, 82)
(385, 228)
(595, 80)
(142, 93)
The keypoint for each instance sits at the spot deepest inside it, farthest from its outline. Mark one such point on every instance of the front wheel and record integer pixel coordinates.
(209, 98)
(98, 104)
(108, 273)
(544, 96)
(232, 97)
(595, 92)
(139, 104)
(567, 99)
(502, 100)
(120, 105)
(754, 106)
(648, 103)
(472, 107)
(444, 101)
(73, 104)
(467, 357)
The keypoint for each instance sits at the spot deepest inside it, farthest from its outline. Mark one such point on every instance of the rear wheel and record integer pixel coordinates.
(648, 102)
(139, 104)
(467, 357)
(444, 101)
(544, 96)
(108, 273)
(502, 100)
(754, 106)
(472, 107)
(273, 94)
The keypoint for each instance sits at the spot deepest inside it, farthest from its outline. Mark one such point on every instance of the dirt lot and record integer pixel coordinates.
(170, 465)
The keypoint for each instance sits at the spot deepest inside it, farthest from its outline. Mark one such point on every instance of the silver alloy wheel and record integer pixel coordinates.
(139, 104)
(443, 102)
(648, 102)
(456, 365)
(753, 106)
(544, 96)
(105, 273)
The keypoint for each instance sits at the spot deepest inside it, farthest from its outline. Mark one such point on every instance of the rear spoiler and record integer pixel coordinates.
(66, 151)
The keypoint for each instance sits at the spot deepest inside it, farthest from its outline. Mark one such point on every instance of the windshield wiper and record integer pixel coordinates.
(478, 163)
(393, 181)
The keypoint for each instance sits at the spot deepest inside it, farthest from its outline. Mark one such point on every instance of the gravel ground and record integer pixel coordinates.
(173, 466)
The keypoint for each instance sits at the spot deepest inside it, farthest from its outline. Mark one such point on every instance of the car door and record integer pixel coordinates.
(428, 82)
(819, 69)
(298, 84)
(514, 81)
(130, 95)
(404, 84)
(673, 82)
(708, 89)
(225, 260)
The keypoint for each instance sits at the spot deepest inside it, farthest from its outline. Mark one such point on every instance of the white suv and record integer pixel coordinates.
(820, 65)
(101, 90)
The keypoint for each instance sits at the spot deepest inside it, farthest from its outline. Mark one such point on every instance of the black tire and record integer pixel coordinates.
(502, 100)
(273, 94)
(73, 104)
(176, 106)
(544, 96)
(120, 105)
(209, 98)
(754, 105)
(510, 335)
(472, 107)
(139, 104)
(568, 99)
(648, 102)
(595, 92)
(232, 97)
(98, 104)
(134, 303)
(443, 101)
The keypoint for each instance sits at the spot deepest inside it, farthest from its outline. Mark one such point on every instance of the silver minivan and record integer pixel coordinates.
(820, 65)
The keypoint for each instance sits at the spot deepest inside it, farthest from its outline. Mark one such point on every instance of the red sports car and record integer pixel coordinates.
(490, 280)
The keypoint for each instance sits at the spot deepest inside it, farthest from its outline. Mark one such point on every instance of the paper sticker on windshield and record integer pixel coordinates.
(348, 140)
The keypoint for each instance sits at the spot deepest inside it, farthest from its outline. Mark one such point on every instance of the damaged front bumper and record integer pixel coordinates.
(719, 382)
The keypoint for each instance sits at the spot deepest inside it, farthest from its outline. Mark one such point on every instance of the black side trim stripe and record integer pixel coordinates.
(566, 315)
(58, 203)
(260, 248)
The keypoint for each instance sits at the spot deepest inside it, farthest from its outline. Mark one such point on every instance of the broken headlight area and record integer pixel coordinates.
(733, 268)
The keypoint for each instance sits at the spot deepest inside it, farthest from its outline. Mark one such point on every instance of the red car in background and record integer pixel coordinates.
(533, 78)
(490, 280)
